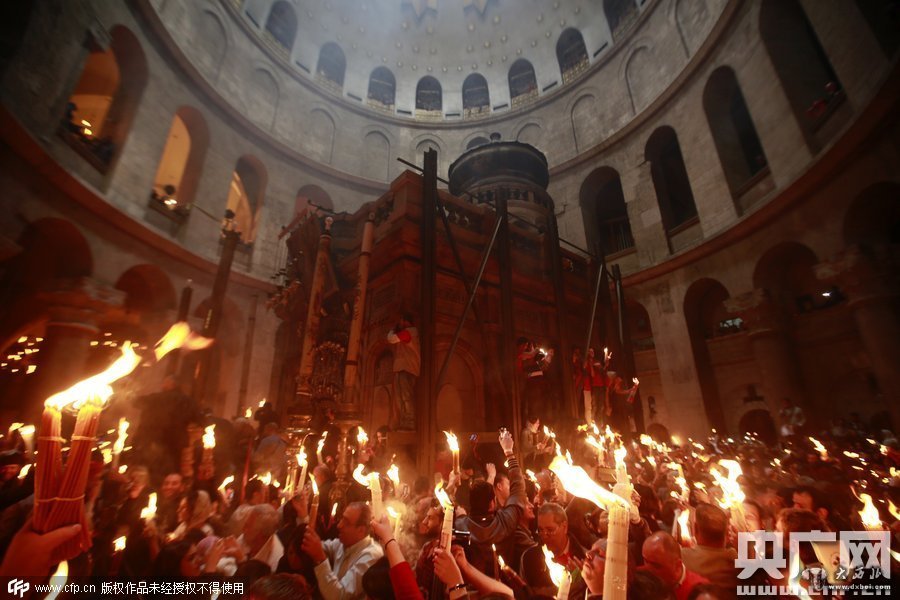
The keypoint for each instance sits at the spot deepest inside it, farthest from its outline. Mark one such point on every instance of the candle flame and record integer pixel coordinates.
(315, 487)
(393, 474)
(224, 485)
(262, 403)
(442, 497)
(501, 561)
(24, 472)
(301, 457)
(549, 433)
(823, 452)
(452, 441)
(893, 510)
(732, 494)
(14, 427)
(121, 437)
(869, 514)
(530, 474)
(359, 477)
(684, 527)
(98, 387)
(646, 440)
(557, 571)
(393, 513)
(267, 478)
(676, 440)
(248, 414)
(619, 454)
(362, 438)
(149, 511)
(178, 336)
(209, 436)
(119, 544)
(107, 455)
(123, 469)
(334, 509)
(62, 570)
(321, 442)
(578, 483)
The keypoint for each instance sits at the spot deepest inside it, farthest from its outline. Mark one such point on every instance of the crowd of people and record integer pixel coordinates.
(511, 510)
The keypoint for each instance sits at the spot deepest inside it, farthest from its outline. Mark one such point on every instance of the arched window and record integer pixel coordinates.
(808, 79)
(281, 28)
(382, 89)
(620, 14)
(604, 213)
(522, 83)
(429, 101)
(571, 54)
(101, 108)
(181, 163)
(331, 67)
(245, 195)
(476, 99)
(732, 128)
(670, 179)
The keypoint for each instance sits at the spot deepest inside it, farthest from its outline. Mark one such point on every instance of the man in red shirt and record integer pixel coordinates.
(662, 557)
(407, 360)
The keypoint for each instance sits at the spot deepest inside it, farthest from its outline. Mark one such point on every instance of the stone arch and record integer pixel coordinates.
(604, 212)
(263, 97)
(477, 140)
(522, 82)
(281, 26)
(873, 217)
(659, 432)
(640, 327)
(332, 65)
(461, 396)
(181, 163)
(670, 179)
(382, 88)
(429, 95)
(376, 156)
(584, 116)
(641, 77)
(737, 143)
(210, 43)
(530, 133)
(311, 193)
(620, 15)
(103, 103)
(703, 310)
(475, 94)
(786, 272)
(148, 289)
(801, 63)
(571, 54)
(321, 134)
(690, 19)
(246, 195)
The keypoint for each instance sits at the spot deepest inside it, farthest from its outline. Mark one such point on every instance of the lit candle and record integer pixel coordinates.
(447, 526)
(732, 495)
(496, 562)
(148, 513)
(393, 473)
(559, 575)
(453, 444)
(395, 515)
(303, 463)
(27, 433)
(869, 514)
(314, 505)
(119, 445)
(319, 448)
(377, 499)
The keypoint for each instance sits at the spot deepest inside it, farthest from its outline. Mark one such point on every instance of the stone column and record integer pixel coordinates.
(650, 237)
(869, 281)
(74, 308)
(772, 349)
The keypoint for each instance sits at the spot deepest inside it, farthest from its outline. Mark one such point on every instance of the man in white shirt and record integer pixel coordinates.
(342, 562)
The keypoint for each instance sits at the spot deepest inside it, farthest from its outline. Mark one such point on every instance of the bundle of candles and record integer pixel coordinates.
(59, 493)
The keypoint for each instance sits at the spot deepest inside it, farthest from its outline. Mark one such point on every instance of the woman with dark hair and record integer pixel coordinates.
(193, 513)
(177, 561)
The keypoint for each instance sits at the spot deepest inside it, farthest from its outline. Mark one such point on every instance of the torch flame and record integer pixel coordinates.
(359, 477)
(119, 544)
(149, 511)
(442, 497)
(732, 494)
(362, 438)
(557, 571)
(393, 474)
(578, 483)
(178, 336)
(209, 436)
(224, 484)
(684, 527)
(62, 570)
(122, 436)
(869, 514)
(823, 453)
(452, 441)
(97, 387)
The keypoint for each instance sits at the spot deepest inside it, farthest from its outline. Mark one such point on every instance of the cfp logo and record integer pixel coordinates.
(17, 587)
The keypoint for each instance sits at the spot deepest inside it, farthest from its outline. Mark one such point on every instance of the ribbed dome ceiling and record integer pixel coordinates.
(445, 39)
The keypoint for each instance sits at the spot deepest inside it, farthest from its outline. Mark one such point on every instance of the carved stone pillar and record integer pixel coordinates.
(74, 308)
(869, 281)
(772, 349)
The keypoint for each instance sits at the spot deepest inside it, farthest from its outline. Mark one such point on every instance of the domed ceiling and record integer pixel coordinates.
(341, 42)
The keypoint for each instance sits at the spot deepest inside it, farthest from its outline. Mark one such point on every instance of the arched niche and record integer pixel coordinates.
(604, 212)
